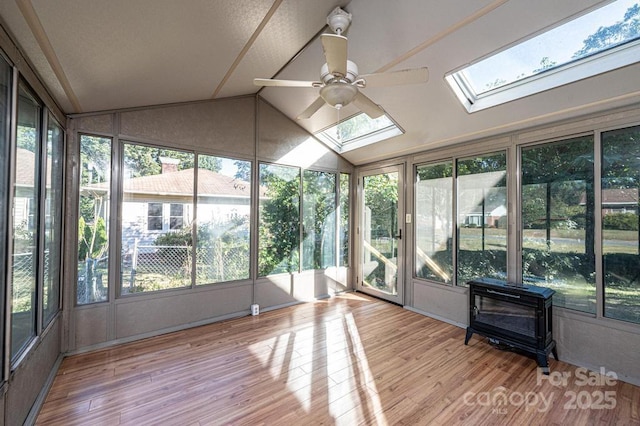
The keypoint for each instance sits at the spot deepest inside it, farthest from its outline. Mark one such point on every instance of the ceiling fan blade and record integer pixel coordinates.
(335, 52)
(311, 109)
(285, 83)
(367, 106)
(396, 78)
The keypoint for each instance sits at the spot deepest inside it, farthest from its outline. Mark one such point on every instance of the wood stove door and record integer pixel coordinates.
(380, 233)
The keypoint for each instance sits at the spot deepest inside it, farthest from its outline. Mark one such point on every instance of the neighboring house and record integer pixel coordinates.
(158, 204)
(491, 218)
(616, 200)
(24, 203)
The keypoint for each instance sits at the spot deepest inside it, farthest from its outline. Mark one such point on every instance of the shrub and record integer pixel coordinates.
(621, 221)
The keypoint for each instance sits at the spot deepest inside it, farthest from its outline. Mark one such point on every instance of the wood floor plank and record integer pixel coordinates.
(348, 360)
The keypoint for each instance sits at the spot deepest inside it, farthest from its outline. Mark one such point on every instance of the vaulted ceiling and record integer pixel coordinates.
(97, 55)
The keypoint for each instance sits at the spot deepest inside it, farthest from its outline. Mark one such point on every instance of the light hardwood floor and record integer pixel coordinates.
(347, 360)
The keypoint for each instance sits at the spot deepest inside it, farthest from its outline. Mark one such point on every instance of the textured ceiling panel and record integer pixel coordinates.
(121, 53)
(291, 27)
(15, 23)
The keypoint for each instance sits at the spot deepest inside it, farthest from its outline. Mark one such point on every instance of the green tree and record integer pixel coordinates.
(545, 64)
(279, 229)
(208, 162)
(92, 244)
(381, 198)
(611, 35)
(141, 160)
(559, 175)
(319, 194)
(27, 138)
(496, 83)
(243, 170)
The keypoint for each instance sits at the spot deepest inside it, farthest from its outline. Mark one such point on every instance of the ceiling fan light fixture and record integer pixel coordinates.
(338, 95)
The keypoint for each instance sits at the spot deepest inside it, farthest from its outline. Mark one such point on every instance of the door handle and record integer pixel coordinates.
(399, 236)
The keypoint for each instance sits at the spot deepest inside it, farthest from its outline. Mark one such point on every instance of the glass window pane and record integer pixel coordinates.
(155, 209)
(433, 222)
(318, 220)
(154, 216)
(343, 235)
(279, 222)
(558, 221)
(155, 256)
(53, 221)
(176, 223)
(560, 49)
(176, 219)
(620, 223)
(25, 202)
(358, 131)
(93, 222)
(224, 219)
(176, 210)
(482, 217)
(380, 193)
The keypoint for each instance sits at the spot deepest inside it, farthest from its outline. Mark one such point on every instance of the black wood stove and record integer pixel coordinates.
(513, 315)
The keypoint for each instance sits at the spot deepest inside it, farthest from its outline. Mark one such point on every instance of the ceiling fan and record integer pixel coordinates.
(339, 82)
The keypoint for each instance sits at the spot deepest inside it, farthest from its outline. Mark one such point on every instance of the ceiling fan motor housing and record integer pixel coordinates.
(327, 77)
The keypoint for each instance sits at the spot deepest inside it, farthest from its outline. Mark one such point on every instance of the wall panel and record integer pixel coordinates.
(446, 303)
(227, 125)
(90, 325)
(595, 344)
(28, 380)
(96, 123)
(138, 316)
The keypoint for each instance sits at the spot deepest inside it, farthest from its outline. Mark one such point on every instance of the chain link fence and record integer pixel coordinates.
(154, 267)
(222, 262)
(22, 281)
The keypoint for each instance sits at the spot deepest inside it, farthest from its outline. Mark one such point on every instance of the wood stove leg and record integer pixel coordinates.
(543, 362)
(468, 336)
(554, 351)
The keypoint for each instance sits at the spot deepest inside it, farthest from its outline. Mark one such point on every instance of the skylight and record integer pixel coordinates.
(358, 131)
(601, 40)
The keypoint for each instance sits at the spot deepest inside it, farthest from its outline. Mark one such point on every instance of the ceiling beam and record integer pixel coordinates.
(31, 17)
(247, 46)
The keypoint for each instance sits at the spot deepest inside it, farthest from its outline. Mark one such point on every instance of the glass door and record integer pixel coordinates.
(381, 232)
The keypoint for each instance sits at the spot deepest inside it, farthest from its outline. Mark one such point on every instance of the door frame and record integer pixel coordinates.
(401, 230)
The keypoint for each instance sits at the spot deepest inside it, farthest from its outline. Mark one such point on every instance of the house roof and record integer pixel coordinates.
(210, 184)
(620, 196)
